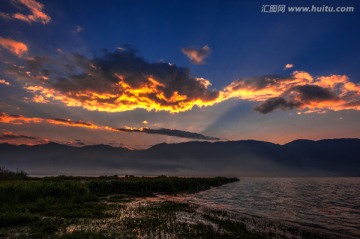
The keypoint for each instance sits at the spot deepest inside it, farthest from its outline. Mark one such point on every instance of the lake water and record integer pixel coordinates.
(332, 204)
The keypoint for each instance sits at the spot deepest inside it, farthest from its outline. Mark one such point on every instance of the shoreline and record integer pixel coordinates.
(129, 207)
(255, 223)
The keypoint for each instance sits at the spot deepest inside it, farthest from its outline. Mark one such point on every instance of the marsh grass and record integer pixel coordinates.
(165, 219)
(112, 207)
(9, 175)
(44, 208)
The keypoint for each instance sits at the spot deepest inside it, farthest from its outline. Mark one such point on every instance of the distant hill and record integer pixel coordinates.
(329, 157)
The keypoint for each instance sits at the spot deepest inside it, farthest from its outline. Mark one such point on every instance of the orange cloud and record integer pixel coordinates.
(300, 91)
(197, 56)
(40, 99)
(4, 82)
(15, 47)
(124, 98)
(36, 12)
(122, 81)
(81, 124)
(19, 119)
(18, 139)
(106, 85)
(288, 66)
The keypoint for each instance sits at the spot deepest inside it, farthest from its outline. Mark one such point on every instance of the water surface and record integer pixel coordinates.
(329, 203)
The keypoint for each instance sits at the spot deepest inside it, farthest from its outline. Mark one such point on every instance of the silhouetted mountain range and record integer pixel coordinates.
(329, 157)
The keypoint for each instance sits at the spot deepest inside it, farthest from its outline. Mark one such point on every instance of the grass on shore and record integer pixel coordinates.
(107, 207)
(44, 207)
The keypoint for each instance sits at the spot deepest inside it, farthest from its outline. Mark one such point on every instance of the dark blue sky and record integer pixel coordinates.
(244, 42)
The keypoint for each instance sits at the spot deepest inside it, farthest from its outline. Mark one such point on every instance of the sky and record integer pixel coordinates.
(139, 73)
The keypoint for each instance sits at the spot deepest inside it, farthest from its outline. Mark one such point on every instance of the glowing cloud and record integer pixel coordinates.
(122, 81)
(15, 47)
(80, 124)
(300, 91)
(36, 12)
(288, 66)
(4, 82)
(19, 119)
(12, 138)
(168, 132)
(117, 82)
(197, 56)
(323, 93)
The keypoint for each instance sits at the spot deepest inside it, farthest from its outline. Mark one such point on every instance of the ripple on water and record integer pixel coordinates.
(329, 203)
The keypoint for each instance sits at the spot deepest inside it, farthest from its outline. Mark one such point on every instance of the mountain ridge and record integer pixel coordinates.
(327, 157)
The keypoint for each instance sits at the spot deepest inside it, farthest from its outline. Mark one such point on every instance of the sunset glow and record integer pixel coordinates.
(117, 81)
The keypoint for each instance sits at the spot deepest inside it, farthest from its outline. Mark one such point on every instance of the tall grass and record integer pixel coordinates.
(38, 202)
(9, 175)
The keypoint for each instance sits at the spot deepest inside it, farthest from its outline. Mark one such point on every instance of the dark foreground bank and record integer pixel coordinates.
(122, 207)
(48, 207)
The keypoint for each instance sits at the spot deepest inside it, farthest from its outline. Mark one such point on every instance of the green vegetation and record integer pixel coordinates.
(120, 207)
(9, 175)
(45, 207)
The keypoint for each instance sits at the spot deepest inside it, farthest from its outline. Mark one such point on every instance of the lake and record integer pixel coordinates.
(332, 204)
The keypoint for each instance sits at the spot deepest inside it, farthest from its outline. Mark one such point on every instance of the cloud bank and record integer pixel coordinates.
(168, 132)
(16, 47)
(122, 81)
(116, 82)
(12, 138)
(36, 12)
(20, 119)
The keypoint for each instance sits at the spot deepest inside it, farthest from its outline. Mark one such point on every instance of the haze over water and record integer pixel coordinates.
(329, 203)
